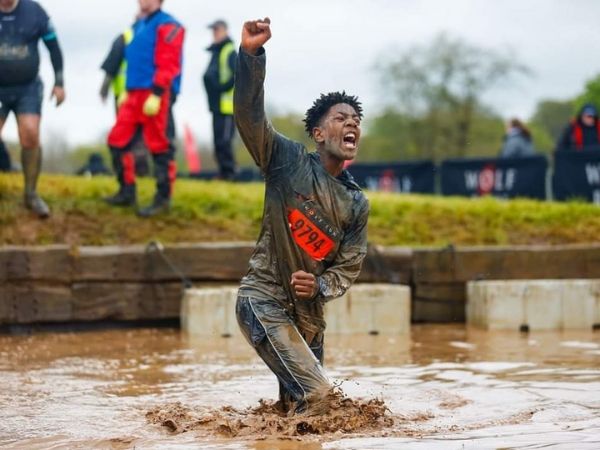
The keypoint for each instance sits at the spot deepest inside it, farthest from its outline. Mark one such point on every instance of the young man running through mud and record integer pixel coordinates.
(314, 231)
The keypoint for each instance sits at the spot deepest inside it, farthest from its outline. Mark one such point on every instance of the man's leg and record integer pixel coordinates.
(223, 132)
(268, 328)
(31, 160)
(157, 140)
(119, 141)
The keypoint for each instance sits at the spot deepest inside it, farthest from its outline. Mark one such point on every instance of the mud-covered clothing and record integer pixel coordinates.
(312, 220)
(20, 32)
(297, 363)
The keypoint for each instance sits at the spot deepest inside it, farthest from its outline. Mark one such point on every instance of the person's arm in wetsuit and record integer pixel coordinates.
(51, 42)
(345, 269)
(257, 133)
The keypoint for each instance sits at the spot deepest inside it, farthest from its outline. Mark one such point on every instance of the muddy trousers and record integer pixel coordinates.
(298, 365)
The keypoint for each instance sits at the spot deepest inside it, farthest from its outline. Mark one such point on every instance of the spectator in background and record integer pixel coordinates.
(154, 60)
(218, 82)
(583, 133)
(94, 166)
(23, 23)
(517, 141)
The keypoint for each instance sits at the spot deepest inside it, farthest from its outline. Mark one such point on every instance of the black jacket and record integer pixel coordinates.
(212, 83)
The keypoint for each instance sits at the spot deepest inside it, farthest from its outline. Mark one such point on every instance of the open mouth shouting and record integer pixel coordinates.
(350, 140)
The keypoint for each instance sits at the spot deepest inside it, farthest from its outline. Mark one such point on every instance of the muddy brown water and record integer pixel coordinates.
(446, 387)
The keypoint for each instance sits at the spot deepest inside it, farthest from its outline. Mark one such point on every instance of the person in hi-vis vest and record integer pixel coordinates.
(218, 81)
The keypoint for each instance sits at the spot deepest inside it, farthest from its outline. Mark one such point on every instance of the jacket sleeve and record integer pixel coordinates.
(167, 56)
(114, 59)
(259, 137)
(50, 39)
(564, 142)
(338, 278)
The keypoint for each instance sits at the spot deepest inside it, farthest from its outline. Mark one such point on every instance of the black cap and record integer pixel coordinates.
(217, 24)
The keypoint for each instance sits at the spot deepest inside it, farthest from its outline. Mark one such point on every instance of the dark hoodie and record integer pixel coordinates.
(212, 83)
(578, 137)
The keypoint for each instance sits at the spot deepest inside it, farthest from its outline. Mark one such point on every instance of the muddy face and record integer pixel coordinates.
(339, 132)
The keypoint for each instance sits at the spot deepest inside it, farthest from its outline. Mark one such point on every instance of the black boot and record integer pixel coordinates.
(162, 198)
(31, 159)
(159, 205)
(126, 196)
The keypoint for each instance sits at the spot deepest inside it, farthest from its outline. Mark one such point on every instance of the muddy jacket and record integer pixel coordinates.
(312, 221)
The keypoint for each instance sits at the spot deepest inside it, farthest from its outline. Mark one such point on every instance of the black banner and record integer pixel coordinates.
(577, 175)
(506, 178)
(407, 177)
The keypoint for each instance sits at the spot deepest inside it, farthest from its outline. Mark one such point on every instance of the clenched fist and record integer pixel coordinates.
(305, 285)
(255, 34)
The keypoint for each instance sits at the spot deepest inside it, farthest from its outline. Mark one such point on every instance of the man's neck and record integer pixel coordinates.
(10, 9)
(332, 165)
(146, 14)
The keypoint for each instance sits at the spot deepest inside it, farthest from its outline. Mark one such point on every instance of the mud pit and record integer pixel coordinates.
(445, 387)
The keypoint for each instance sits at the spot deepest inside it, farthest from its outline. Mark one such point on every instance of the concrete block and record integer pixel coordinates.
(366, 308)
(370, 308)
(537, 304)
(210, 311)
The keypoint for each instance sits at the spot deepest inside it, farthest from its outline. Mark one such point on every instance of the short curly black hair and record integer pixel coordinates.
(324, 103)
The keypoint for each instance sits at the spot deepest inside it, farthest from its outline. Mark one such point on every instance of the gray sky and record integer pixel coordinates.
(325, 45)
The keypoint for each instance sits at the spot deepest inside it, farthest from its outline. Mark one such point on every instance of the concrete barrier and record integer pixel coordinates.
(366, 308)
(533, 304)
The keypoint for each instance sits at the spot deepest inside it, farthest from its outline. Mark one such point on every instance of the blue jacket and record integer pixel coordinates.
(154, 56)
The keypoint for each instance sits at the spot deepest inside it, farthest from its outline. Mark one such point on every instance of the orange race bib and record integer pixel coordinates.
(316, 243)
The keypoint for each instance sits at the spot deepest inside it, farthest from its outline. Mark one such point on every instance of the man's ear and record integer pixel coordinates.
(318, 135)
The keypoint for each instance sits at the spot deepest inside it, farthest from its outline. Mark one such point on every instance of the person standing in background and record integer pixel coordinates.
(218, 82)
(22, 24)
(583, 133)
(154, 60)
(517, 141)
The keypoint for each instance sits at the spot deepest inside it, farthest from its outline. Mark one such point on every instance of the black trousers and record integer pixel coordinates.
(223, 132)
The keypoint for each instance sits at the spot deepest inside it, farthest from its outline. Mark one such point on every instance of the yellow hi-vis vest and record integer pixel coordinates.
(120, 81)
(226, 103)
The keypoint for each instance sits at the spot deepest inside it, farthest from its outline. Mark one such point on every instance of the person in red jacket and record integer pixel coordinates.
(583, 133)
(154, 60)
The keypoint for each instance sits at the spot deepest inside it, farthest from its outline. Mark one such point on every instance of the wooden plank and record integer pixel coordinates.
(32, 303)
(126, 301)
(387, 265)
(489, 263)
(199, 262)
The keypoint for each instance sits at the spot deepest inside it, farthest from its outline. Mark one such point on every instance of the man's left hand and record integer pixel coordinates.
(152, 105)
(305, 285)
(58, 92)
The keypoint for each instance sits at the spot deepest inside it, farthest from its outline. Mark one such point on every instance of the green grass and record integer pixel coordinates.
(218, 211)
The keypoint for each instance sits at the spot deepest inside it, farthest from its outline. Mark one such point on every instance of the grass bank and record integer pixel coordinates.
(217, 211)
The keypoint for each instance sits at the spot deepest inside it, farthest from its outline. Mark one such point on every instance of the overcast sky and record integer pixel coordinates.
(324, 45)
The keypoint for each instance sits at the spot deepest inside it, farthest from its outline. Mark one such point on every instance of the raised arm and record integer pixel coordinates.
(249, 96)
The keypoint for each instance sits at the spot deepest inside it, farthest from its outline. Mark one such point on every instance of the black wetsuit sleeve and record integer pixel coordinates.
(48, 35)
(345, 269)
(564, 142)
(114, 59)
(57, 60)
(259, 137)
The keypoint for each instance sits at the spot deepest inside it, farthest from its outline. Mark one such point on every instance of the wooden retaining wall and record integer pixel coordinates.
(72, 284)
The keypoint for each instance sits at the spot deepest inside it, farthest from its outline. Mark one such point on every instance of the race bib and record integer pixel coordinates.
(308, 236)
